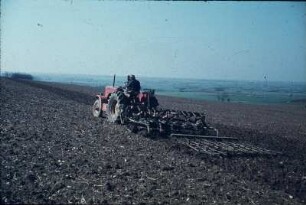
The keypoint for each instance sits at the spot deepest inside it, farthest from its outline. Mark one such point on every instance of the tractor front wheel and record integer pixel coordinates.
(96, 109)
(115, 107)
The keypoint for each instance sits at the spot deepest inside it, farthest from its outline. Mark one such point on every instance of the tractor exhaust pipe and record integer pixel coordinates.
(114, 80)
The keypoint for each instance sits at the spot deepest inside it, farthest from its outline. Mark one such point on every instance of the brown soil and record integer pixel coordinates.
(54, 151)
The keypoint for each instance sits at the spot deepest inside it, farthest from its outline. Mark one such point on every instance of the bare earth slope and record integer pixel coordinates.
(53, 151)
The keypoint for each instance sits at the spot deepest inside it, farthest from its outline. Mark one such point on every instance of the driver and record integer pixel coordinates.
(133, 85)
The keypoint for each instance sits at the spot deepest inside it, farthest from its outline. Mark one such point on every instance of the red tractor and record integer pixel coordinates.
(117, 104)
(143, 113)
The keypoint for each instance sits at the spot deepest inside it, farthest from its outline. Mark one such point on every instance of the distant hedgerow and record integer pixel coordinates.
(22, 76)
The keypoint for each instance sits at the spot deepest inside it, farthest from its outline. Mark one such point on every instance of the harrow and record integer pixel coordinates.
(190, 130)
(225, 148)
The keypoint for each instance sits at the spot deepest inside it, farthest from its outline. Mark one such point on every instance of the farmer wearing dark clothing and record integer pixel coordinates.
(133, 86)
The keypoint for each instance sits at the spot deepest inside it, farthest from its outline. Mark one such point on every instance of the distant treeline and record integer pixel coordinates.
(22, 76)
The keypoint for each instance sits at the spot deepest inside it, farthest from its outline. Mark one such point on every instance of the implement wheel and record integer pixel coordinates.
(96, 109)
(115, 107)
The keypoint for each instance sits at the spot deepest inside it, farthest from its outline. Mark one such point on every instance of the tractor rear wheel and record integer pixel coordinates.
(115, 108)
(96, 109)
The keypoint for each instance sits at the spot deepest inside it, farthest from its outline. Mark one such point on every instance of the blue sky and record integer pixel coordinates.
(209, 40)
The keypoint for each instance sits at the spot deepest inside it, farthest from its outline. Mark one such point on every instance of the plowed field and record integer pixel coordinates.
(53, 150)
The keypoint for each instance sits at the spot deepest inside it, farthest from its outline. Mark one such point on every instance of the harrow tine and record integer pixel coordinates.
(246, 149)
(239, 149)
(209, 148)
(255, 149)
(194, 114)
(196, 147)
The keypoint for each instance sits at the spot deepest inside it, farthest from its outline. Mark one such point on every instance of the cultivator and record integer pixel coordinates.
(171, 122)
(141, 115)
(190, 130)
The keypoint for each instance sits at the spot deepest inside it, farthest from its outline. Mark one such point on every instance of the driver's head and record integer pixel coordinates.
(128, 77)
(132, 77)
